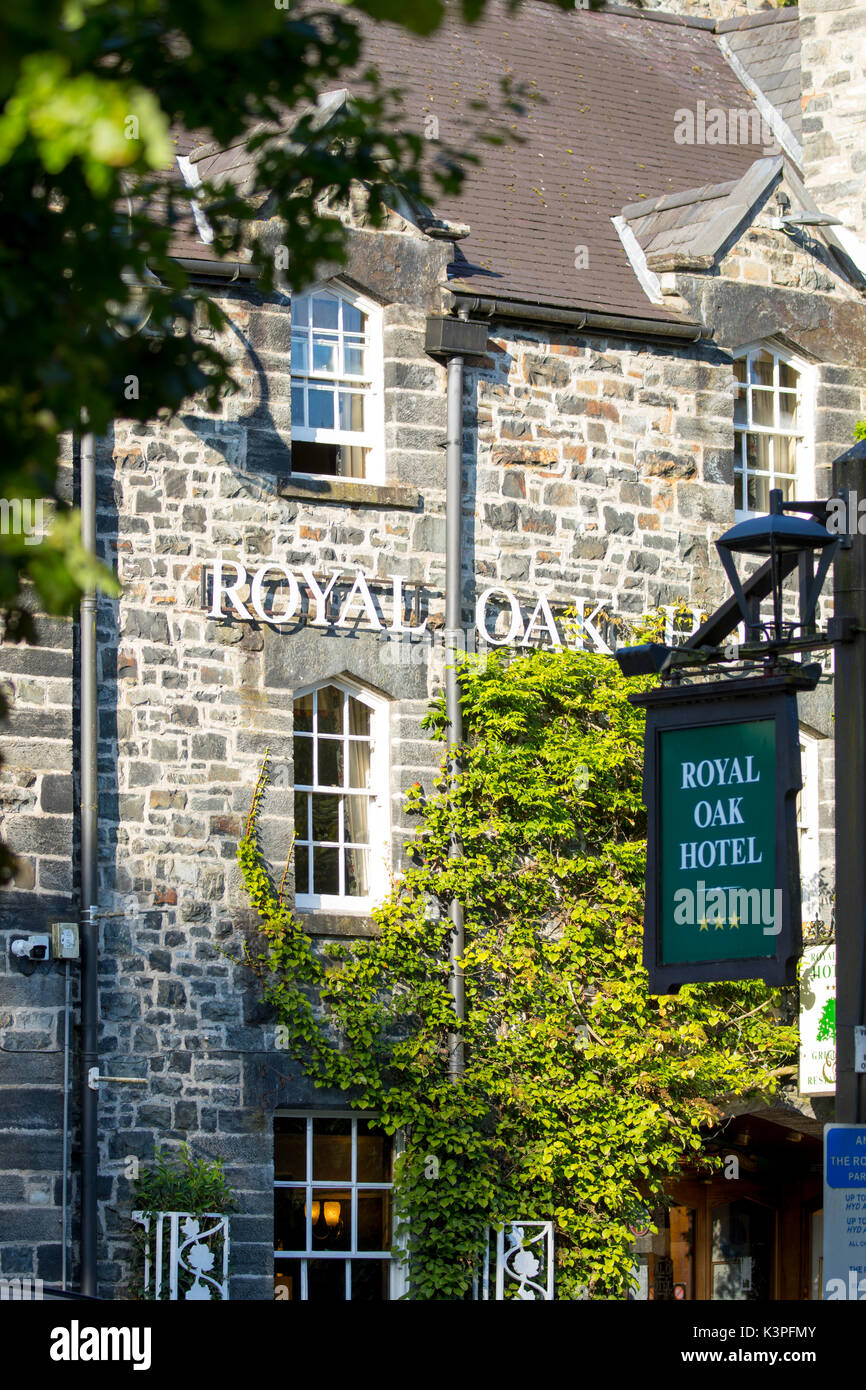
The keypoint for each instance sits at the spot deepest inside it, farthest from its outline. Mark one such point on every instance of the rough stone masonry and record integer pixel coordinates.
(594, 465)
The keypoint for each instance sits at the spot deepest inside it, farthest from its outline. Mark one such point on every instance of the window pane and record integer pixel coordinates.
(374, 1154)
(299, 312)
(287, 1281)
(304, 713)
(351, 411)
(740, 406)
(301, 799)
(331, 762)
(357, 885)
(298, 414)
(740, 368)
(758, 494)
(355, 811)
(333, 1229)
(762, 368)
(326, 872)
(758, 452)
(300, 358)
(321, 408)
(374, 1221)
(353, 357)
(742, 1252)
(326, 1280)
(290, 1232)
(290, 1149)
(370, 1281)
(762, 408)
(359, 763)
(785, 454)
(330, 710)
(359, 717)
(326, 819)
(326, 311)
(324, 355)
(353, 320)
(308, 457)
(303, 761)
(352, 461)
(302, 870)
(788, 377)
(332, 1150)
(788, 409)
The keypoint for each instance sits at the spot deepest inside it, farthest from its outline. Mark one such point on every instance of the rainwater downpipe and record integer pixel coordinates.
(454, 648)
(64, 1205)
(88, 1057)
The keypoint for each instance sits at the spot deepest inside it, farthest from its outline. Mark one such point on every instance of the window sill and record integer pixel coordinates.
(344, 490)
(337, 923)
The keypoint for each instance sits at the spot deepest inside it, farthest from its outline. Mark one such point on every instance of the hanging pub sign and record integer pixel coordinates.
(721, 776)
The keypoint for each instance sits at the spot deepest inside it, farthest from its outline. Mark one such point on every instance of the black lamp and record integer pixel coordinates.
(772, 537)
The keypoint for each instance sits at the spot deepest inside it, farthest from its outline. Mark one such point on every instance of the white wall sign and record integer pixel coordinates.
(818, 1021)
(244, 595)
(844, 1269)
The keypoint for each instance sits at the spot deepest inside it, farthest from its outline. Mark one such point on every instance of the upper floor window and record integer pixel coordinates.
(772, 430)
(341, 798)
(336, 385)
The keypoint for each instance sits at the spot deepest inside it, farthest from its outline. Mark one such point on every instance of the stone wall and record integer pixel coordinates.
(833, 60)
(595, 468)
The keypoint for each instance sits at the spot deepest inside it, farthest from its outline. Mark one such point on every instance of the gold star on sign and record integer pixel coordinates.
(703, 924)
(720, 924)
(734, 922)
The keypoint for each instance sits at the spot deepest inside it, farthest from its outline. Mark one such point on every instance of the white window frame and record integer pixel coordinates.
(378, 800)
(804, 484)
(808, 826)
(397, 1278)
(373, 437)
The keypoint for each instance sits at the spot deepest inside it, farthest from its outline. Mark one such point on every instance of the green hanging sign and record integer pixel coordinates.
(721, 776)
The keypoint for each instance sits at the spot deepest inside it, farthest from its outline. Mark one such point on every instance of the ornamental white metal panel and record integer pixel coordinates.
(195, 1244)
(523, 1263)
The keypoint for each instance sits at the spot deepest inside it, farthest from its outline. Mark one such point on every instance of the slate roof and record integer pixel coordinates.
(697, 222)
(768, 46)
(599, 135)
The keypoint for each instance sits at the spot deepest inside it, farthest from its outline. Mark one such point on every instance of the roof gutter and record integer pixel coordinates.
(222, 270)
(579, 318)
(523, 309)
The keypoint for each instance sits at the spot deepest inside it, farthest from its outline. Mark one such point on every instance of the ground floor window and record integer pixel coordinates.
(333, 1177)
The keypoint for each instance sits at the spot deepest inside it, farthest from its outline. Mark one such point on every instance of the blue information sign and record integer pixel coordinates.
(846, 1156)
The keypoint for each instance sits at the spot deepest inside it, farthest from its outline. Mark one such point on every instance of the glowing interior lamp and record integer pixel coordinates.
(332, 1214)
(316, 1210)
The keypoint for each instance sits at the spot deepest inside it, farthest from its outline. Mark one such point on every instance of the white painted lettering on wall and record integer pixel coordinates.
(231, 581)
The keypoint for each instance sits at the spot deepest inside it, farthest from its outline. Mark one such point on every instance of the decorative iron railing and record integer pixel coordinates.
(522, 1263)
(181, 1250)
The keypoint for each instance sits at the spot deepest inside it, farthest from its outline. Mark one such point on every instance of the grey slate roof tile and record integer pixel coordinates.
(699, 221)
(600, 134)
(768, 46)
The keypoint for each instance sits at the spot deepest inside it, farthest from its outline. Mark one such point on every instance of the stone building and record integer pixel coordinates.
(674, 325)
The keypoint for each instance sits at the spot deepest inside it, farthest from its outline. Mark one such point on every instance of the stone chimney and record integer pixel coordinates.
(833, 60)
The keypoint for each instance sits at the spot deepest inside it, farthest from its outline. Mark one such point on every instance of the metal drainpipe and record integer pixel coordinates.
(88, 1056)
(454, 646)
(64, 1205)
